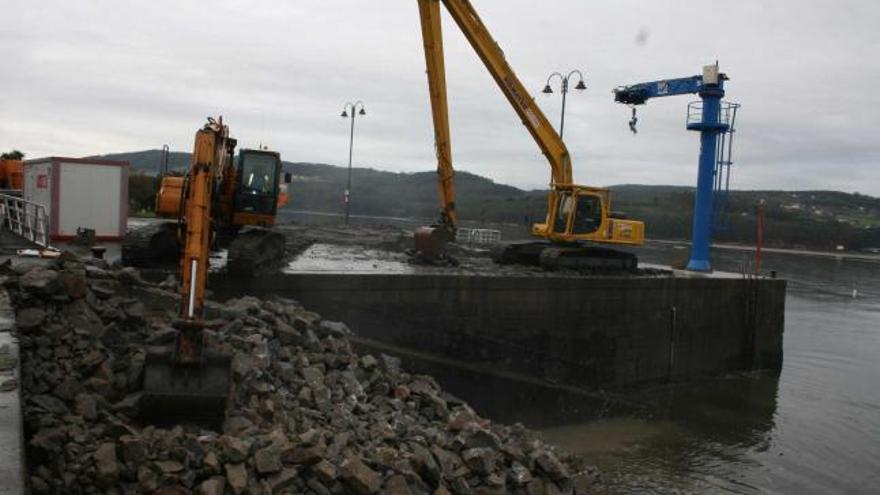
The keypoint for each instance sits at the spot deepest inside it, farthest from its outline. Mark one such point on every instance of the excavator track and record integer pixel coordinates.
(564, 256)
(255, 251)
(151, 244)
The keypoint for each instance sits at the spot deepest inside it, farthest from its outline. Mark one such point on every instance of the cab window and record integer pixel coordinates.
(563, 208)
(258, 174)
(588, 215)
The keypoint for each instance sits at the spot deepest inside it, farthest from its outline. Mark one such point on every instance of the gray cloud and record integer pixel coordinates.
(104, 76)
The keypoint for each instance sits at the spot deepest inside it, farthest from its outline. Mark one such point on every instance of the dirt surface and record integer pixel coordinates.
(386, 248)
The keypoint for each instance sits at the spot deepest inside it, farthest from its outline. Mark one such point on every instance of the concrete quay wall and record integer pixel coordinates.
(606, 333)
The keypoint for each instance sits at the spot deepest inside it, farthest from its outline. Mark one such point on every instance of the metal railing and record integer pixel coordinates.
(477, 236)
(25, 218)
(726, 115)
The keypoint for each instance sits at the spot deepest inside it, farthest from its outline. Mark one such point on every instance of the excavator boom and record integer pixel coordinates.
(187, 380)
(574, 213)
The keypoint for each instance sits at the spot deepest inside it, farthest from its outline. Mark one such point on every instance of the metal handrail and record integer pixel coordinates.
(25, 218)
(477, 236)
(726, 116)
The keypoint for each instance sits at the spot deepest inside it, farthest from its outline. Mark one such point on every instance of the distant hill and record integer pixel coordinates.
(814, 219)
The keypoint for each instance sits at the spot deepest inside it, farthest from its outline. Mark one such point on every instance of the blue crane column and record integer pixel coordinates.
(709, 129)
(710, 87)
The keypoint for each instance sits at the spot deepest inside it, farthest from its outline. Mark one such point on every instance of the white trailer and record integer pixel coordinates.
(79, 193)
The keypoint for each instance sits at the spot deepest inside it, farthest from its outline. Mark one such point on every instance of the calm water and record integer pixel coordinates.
(813, 429)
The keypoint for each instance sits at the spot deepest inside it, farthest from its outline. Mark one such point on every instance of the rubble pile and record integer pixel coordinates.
(307, 414)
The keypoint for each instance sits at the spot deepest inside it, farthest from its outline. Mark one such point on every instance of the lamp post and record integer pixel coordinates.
(564, 80)
(357, 108)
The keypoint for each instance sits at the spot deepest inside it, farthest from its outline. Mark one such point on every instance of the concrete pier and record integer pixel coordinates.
(606, 333)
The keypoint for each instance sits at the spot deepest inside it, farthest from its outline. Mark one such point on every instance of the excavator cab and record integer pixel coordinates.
(583, 213)
(258, 181)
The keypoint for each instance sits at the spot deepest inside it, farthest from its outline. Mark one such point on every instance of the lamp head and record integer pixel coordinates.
(547, 90)
(344, 114)
(363, 112)
(580, 85)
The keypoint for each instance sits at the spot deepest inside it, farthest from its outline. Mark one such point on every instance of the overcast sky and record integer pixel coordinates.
(93, 77)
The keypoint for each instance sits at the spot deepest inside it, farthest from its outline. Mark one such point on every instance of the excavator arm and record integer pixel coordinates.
(432, 37)
(187, 380)
(467, 19)
(575, 213)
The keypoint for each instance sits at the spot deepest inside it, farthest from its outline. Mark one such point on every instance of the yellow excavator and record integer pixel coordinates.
(245, 203)
(186, 380)
(578, 217)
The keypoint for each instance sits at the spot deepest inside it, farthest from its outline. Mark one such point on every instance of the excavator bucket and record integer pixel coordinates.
(177, 389)
(431, 241)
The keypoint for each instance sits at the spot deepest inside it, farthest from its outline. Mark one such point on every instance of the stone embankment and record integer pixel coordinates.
(306, 414)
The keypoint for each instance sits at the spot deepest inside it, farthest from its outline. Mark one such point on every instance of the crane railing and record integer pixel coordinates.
(25, 218)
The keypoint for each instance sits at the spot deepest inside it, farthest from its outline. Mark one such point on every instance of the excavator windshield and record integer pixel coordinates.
(258, 174)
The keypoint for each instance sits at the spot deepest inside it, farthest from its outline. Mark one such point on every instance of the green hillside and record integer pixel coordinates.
(807, 219)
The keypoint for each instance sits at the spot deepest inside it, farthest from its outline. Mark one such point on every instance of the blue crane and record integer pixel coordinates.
(714, 120)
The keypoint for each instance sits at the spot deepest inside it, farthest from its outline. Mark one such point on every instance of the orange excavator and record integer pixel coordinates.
(245, 201)
(578, 217)
(187, 380)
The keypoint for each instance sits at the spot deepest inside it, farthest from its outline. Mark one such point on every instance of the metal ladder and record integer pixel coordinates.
(723, 161)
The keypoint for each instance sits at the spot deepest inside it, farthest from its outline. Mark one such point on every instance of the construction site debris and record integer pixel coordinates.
(306, 415)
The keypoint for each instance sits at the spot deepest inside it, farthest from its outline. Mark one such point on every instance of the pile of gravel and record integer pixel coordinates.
(307, 414)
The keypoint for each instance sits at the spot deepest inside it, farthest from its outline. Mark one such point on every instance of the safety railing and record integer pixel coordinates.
(726, 116)
(477, 236)
(25, 218)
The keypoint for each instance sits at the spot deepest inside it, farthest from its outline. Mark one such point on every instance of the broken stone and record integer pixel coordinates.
(283, 482)
(212, 486)
(237, 477)
(550, 464)
(30, 318)
(40, 281)
(106, 464)
(268, 460)
(359, 477)
(480, 459)
(86, 406)
(132, 449)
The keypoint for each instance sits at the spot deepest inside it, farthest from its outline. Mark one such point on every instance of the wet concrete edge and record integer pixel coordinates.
(12, 464)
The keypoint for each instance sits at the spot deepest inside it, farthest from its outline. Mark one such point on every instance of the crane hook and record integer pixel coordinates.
(633, 121)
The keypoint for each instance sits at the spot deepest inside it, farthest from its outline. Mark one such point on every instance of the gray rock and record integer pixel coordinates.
(130, 275)
(283, 482)
(359, 477)
(325, 471)
(41, 281)
(168, 467)
(334, 328)
(86, 405)
(29, 318)
(50, 404)
(549, 463)
(234, 450)
(237, 477)
(481, 459)
(212, 486)
(396, 485)
(268, 460)
(106, 464)
(131, 447)
(314, 376)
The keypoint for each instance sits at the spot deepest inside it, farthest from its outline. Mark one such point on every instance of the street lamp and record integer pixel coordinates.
(564, 79)
(357, 108)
